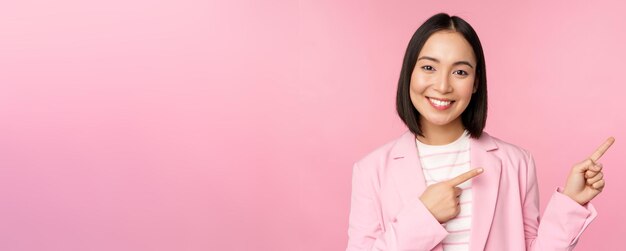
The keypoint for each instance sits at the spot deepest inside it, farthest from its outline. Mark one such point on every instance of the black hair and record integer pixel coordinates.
(474, 117)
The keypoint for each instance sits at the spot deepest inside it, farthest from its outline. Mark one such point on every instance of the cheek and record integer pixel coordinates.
(466, 88)
(419, 82)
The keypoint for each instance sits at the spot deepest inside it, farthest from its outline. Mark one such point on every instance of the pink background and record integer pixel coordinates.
(233, 125)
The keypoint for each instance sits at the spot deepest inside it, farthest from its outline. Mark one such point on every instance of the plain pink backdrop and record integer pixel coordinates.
(233, 125)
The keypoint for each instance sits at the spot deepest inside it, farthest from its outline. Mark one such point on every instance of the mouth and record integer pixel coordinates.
(440, 104)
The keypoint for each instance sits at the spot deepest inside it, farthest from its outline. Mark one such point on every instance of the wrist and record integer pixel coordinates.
(567, 193)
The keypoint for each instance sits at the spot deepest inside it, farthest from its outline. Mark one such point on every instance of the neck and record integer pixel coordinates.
(441, 134)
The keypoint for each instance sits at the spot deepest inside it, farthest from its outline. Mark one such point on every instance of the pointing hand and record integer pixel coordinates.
(442, 199)
(586, 179)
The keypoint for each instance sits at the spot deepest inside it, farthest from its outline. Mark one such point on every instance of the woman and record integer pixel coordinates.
(447, 185)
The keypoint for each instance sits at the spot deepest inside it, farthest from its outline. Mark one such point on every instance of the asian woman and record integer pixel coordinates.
(445, 184)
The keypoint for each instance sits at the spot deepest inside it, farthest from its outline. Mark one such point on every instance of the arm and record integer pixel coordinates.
(562, 223)
(414, 228)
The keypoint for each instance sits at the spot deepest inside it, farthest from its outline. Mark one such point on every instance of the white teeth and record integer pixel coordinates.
(440, 103)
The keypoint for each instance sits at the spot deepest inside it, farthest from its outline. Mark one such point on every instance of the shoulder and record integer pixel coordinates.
(380, 153)
(506, 150)
(508, 147)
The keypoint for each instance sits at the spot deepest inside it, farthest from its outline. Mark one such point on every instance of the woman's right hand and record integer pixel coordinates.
(442, 199)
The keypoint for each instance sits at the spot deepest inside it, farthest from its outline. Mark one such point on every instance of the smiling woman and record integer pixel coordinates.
(443, 59)
(447, 185)
(444, 80)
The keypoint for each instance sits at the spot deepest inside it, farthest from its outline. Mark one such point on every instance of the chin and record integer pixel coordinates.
(439, 121)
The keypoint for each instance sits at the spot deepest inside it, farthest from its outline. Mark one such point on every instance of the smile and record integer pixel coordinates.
(440, 104)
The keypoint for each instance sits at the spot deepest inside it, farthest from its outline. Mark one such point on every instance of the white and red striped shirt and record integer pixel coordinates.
(443, 162)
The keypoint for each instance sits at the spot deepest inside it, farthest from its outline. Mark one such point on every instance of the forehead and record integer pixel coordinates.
(448, 46)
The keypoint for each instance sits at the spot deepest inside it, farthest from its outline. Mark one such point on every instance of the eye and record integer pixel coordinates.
(427, 67)
(461, 72)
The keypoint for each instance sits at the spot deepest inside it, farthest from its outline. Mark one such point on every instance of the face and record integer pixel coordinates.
(442, 82)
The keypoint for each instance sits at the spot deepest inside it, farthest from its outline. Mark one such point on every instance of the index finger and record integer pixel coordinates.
(602, 149)
(458, 180)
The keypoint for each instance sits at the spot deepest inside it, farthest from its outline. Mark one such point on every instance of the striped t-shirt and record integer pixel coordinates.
(443, 162)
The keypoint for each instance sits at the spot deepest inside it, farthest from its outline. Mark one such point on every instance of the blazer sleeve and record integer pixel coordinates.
(563, 221)
(413, 228)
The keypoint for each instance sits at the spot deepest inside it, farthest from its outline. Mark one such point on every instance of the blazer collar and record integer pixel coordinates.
(405, 167)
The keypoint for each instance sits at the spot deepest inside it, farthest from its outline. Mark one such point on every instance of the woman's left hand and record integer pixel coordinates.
(586, 179)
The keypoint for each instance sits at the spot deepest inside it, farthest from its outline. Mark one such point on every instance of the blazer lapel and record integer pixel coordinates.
(484, 188)
(406, 169)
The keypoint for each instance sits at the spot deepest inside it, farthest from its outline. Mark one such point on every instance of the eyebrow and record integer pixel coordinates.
(437, 60)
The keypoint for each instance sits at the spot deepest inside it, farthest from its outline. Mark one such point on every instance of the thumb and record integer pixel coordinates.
(583, 166)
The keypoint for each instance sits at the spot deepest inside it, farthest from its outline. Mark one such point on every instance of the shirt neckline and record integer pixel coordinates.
(463, 136)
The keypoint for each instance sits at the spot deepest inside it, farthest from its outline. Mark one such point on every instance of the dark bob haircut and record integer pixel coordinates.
(474, 117)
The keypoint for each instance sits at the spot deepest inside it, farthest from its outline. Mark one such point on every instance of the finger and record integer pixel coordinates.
(595, 179)
(602, 149)
(590, 174)
(596, 167)
(599, 185)
(592, 171)
(458, 180)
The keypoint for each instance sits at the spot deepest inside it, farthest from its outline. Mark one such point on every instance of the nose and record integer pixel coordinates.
(443, 85)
